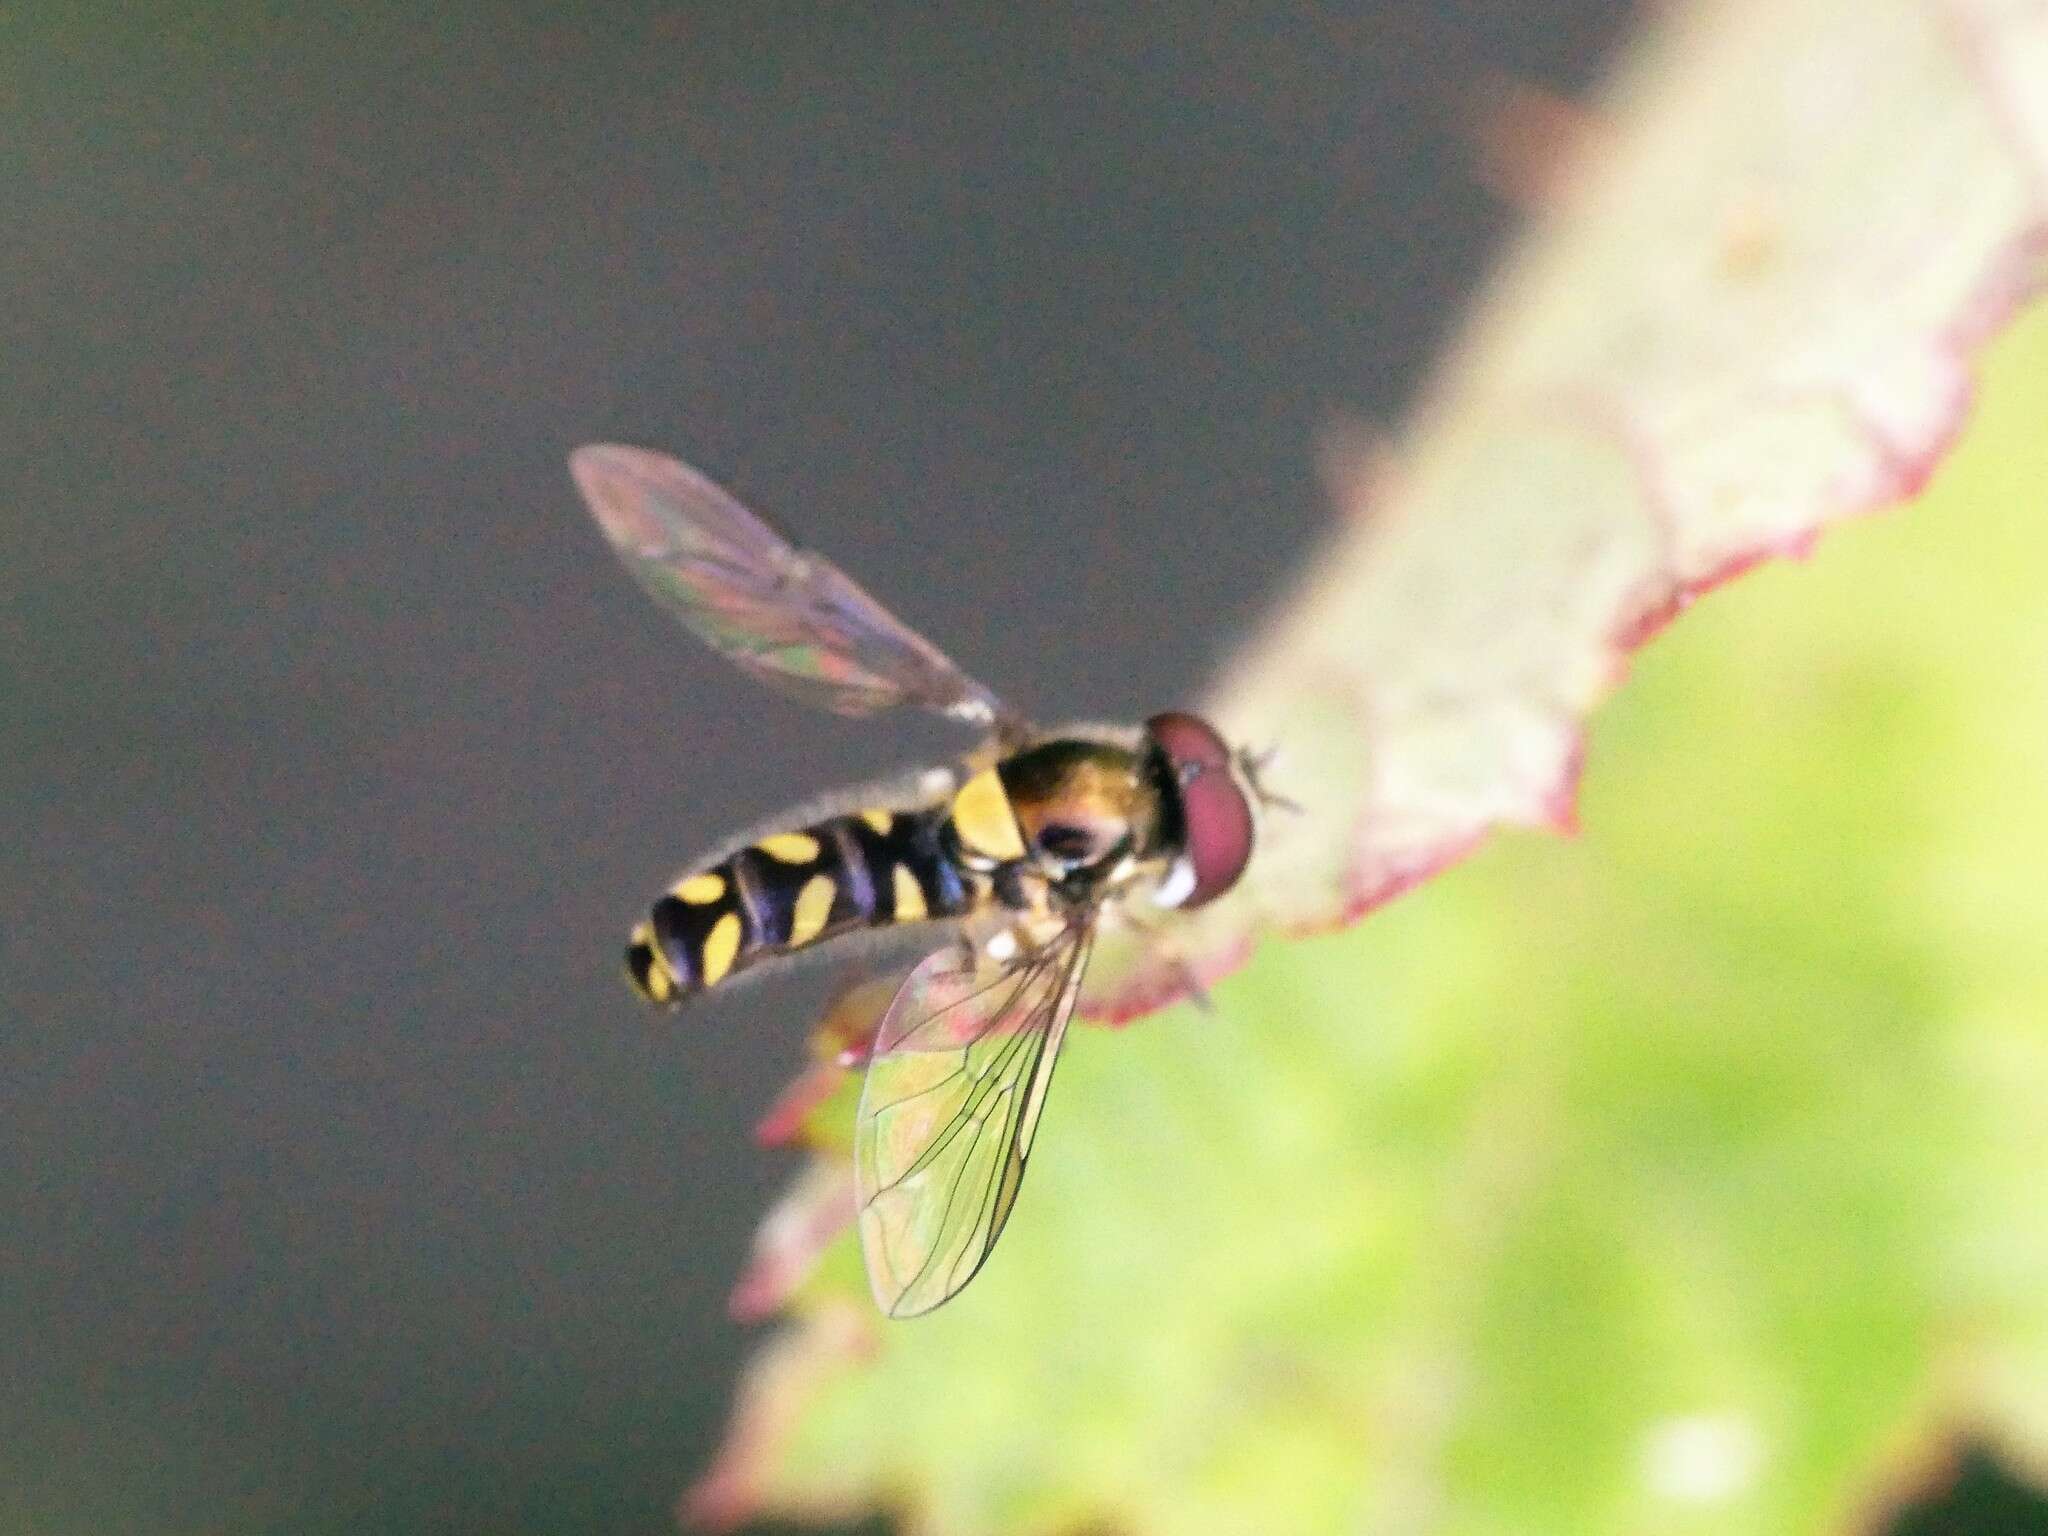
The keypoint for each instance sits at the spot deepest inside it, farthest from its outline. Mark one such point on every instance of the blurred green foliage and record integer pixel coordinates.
(1685, 1177)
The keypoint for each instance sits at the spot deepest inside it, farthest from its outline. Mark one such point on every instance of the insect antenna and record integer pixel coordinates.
(1252, 766)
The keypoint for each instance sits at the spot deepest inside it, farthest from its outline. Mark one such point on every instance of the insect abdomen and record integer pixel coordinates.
(792, 890)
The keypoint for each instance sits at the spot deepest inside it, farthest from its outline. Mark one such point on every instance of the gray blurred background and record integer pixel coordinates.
(345, 1185)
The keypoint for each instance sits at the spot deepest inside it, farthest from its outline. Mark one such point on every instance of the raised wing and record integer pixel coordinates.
(784, 615)
(949, 1110)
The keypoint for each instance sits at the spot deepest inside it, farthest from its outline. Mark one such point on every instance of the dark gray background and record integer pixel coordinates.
(345, 1186)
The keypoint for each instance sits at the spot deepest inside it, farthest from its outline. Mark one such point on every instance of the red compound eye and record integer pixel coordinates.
(1217, 816)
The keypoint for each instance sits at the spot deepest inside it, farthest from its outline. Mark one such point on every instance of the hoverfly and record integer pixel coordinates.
(1010, 857)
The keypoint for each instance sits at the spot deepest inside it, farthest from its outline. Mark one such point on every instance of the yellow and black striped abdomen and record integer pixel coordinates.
(794, 889)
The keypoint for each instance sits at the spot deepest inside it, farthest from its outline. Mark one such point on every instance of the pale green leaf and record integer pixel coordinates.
(1685, 1178)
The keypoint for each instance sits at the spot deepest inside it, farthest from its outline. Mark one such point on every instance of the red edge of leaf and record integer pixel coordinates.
(779, 1383)
(2013, 280)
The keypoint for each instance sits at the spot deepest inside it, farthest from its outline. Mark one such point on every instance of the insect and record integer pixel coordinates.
(1008, 858)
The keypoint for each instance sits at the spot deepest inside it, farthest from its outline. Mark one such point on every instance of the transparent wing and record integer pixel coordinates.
(785, 616)
(949, 1110)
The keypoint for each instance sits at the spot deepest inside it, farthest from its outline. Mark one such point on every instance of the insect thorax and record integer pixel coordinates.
(1084, 813)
